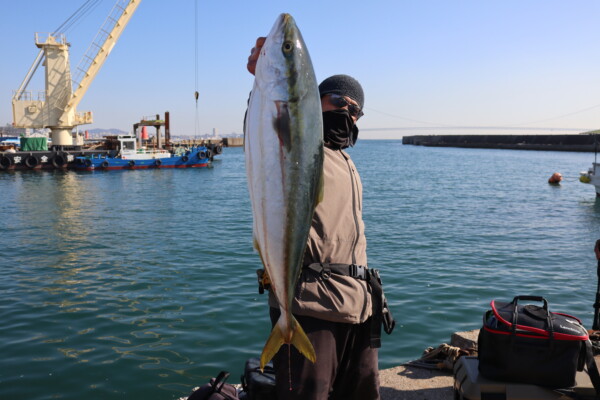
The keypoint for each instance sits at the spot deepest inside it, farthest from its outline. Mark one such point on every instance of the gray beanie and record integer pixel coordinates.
(343, 85)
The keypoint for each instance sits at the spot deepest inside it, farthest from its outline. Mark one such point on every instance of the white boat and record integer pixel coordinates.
(592, 175)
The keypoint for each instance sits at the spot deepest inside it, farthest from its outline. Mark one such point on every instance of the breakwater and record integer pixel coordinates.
(515, 142)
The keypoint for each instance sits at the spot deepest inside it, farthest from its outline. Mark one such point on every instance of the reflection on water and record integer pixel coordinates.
(141, 284)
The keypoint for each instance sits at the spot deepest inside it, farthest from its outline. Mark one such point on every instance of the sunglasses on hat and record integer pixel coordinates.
(340, 101)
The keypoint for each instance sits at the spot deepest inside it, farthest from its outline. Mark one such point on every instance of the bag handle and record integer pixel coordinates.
(220, 381)
(532, 298)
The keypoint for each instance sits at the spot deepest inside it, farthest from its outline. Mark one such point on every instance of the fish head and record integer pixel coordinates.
(284, 69)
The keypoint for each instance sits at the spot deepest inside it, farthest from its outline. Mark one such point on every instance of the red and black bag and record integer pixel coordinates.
(529, 344)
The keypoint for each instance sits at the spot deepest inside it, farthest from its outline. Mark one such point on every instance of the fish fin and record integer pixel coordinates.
(281, 124)
(320, 189)
(255, 244)
(302, 343)
(274, 342)
(258, 249)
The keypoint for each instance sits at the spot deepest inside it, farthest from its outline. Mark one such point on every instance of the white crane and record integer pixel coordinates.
(56, 107)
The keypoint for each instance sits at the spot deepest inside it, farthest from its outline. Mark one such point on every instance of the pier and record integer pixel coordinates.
(580, 142)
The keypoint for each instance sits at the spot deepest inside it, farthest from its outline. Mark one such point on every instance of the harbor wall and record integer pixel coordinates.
(582, 143)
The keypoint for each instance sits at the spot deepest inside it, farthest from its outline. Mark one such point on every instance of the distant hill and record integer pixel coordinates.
(102, 131)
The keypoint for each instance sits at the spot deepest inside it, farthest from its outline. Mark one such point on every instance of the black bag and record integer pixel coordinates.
(258, 385)
(217, 389)
(529, 344)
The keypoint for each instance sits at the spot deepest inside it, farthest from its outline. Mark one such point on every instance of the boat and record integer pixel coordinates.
(129, 156)
(592, 175)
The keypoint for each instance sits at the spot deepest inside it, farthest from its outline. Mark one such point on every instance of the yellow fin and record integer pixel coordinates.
(320, 189)
(273, 344)
(276, 340)
(302, 343)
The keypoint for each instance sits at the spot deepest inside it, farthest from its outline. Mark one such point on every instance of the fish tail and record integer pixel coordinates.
(276, 340)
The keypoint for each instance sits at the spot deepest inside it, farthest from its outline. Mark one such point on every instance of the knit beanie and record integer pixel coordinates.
(343, 85)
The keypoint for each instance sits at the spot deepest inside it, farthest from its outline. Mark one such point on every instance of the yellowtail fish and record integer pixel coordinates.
(284, 163)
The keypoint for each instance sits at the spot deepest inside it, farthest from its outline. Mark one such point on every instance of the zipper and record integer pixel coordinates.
(353, 181)
(354, 200)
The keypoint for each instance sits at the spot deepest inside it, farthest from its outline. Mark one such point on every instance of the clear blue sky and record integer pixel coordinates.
(509, 63)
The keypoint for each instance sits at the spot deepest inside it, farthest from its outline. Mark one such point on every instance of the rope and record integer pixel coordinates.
(443, 357)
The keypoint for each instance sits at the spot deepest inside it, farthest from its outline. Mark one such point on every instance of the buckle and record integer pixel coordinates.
(357, 271)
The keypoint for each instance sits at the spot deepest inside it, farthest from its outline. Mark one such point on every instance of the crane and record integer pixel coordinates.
(56, 107)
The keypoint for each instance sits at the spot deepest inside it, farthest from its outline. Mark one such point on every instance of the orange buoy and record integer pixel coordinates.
(555, 178)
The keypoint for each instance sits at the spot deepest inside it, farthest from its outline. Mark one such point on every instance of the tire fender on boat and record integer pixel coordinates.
(184, 158)
(218, 149)
(104, 164)
(5, 162)
(31, 161)
(157, 162)
(59, 161)
(209, 153)
(201, 154)
(87, 162)
(131, 163)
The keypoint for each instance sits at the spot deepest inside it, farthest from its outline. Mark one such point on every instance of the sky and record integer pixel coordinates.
(426, 66)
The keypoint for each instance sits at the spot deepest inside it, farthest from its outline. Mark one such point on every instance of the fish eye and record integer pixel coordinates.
(287, 46)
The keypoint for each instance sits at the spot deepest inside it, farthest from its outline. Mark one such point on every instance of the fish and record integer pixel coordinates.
(283, 147)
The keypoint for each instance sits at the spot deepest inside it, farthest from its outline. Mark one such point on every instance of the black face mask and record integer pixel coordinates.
(339, 130)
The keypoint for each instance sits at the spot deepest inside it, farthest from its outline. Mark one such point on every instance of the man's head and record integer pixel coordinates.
(342, 100)
(342, 91)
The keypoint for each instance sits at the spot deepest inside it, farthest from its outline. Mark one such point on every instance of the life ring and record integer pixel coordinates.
(209, 153)
(59, 161)
(31, 161)
(5, 162)
(157, 162)
(131, 163)
(184, 158)
(104, 164)
(201, 154)
(87, 162)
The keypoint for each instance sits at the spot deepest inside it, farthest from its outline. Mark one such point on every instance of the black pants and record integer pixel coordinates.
(346, 366)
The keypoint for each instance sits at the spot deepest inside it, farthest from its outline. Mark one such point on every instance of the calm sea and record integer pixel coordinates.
(141, 284)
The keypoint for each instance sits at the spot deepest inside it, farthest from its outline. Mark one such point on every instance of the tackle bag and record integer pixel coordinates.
(216, 389)
(530, 344)
(258, 385)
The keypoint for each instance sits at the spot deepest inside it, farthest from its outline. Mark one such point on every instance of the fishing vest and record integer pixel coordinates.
(337, 236)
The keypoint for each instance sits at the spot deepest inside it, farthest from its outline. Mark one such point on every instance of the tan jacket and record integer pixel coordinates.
(337, 235)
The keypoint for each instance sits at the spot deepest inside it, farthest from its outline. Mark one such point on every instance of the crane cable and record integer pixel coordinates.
(77, 16)
(197, 122)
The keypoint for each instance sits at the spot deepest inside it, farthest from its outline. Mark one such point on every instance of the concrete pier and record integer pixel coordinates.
(581, 143)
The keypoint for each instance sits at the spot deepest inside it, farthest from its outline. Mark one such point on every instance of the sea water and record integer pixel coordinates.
(142, 284)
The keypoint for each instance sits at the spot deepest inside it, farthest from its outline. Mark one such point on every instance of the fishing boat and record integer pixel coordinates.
(129, 156)
(592, 175)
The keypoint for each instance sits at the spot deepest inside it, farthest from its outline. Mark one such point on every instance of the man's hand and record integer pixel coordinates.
(254, 53)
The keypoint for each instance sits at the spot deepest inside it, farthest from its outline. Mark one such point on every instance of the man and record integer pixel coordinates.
(333, 301)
